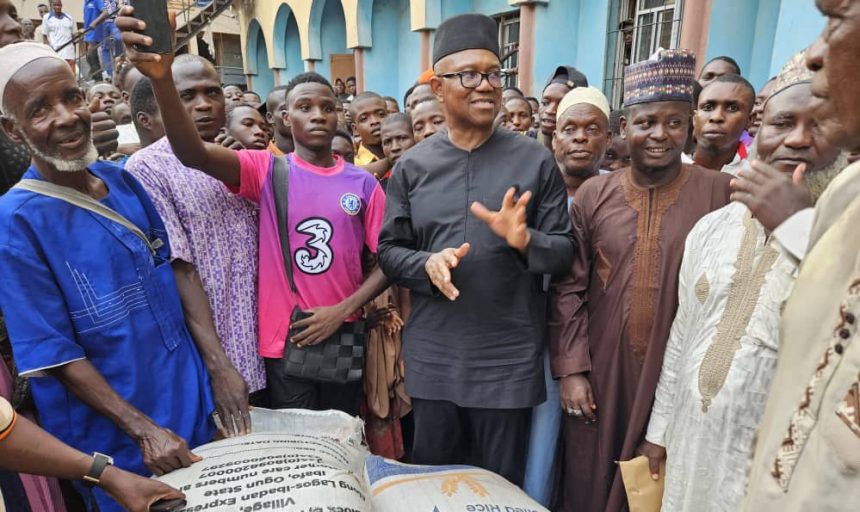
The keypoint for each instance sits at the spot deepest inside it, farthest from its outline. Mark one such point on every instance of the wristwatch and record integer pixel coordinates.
(94, 475)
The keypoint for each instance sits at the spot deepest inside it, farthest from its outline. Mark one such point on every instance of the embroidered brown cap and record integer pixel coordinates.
(667, 76)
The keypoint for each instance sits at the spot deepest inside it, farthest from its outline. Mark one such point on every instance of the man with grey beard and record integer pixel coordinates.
(91, 307)
(724, 342)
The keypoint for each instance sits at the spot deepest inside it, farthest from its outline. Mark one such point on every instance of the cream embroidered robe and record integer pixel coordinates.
(807, 455)
(719, 361)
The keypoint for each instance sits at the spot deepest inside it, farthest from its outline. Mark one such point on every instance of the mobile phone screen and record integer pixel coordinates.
(154, 14)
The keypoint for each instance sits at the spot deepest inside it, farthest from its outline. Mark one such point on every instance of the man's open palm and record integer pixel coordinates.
(509, 222)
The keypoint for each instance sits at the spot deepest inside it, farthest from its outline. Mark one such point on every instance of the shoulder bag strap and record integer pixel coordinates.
(280, 191)
(86, 202)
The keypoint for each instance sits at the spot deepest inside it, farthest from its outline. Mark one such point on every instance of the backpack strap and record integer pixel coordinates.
(86, 202)
(280, 191)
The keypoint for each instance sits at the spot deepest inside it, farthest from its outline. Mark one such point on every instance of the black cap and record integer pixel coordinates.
(466, 32)
(569, 76)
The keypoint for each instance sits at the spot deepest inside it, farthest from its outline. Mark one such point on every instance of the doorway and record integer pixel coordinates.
(342, 66)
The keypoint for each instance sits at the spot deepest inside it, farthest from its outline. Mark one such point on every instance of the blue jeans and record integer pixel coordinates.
(111, 47)
(543, 441)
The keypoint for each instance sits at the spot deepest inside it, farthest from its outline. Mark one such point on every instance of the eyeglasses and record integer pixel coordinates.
(473, 79)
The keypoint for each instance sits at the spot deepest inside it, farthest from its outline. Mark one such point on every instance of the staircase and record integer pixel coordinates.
(190, 23)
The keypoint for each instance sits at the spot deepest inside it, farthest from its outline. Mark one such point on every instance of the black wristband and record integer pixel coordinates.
(94, 475)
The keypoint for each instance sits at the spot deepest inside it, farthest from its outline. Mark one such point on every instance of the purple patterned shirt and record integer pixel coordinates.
(216, 231)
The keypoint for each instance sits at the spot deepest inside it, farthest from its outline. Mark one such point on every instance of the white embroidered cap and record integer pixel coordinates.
(16, 56)
(590, 95)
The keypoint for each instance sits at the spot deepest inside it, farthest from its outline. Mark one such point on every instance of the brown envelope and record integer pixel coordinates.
(643, 494)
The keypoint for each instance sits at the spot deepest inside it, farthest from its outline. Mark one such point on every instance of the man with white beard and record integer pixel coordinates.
(723, 346)
(91, 307)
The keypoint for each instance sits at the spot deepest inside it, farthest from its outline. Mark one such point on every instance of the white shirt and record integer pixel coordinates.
(793, 233)
(127, 134)
(60, 30)
(732, 167)
(719, 361)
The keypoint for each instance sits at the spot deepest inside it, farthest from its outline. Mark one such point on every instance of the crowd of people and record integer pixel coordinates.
(539, 286)
(98, 43)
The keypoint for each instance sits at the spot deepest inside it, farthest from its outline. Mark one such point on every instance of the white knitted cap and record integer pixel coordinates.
(590, 95)
(17, 55)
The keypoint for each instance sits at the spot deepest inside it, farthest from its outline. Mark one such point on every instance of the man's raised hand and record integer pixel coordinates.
(772, 196)
(438, 268)
(509, 222)
(153, 65)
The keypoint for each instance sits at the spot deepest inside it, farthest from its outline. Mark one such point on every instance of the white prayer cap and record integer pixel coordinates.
(17, 55)
(590, 95)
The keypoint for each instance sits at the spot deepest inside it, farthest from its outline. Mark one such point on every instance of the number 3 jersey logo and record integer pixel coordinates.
(316, 256)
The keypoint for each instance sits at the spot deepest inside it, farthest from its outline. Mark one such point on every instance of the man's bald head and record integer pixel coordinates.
(199, 88)
(421, 92)
(187, 62)
(107, 94)
(276, 105)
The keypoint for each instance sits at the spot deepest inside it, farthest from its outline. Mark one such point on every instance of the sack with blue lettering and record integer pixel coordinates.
(295, 461)
(396, 487)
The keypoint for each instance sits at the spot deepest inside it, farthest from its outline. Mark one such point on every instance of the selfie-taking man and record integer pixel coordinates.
(214, 237)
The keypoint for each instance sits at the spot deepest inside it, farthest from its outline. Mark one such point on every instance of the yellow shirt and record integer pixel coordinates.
(364, 156)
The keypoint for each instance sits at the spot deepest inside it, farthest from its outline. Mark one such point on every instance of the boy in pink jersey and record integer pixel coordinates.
(334, 215)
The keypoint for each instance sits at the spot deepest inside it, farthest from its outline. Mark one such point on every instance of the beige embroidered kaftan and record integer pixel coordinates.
(719, 361)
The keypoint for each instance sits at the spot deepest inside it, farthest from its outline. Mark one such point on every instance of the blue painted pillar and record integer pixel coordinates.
(264, 80)
(798, 27)
(762, 48)
(732, 30)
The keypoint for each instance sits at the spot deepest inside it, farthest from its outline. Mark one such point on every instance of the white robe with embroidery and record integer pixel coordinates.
(721, 354)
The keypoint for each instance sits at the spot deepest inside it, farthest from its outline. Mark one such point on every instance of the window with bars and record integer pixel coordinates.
(509, 42)
(658, 25)
(637, 29)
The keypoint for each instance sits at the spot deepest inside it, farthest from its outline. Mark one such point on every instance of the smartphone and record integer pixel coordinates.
(167, 505)
(154, 14)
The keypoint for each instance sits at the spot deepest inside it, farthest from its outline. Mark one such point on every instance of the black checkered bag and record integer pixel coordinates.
(338, 359)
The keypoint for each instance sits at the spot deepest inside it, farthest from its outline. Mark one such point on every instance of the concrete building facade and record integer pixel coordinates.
(386, 44)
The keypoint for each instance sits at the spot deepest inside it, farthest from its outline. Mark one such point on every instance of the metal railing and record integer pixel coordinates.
(112, 47)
